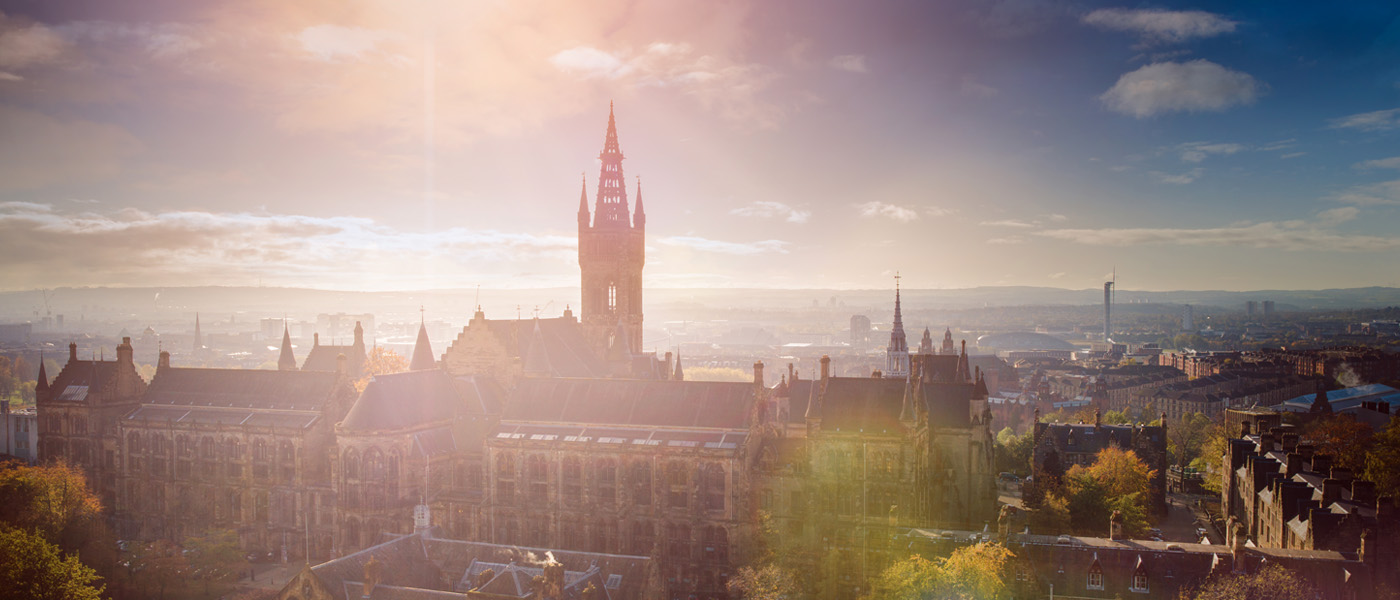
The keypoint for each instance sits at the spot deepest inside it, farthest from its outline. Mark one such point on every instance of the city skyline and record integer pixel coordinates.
(377, 147)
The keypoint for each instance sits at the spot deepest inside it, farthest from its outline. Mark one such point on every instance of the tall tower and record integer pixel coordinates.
(611, 253)
(897, 353)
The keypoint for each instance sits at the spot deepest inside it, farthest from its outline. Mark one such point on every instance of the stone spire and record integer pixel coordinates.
(897, 353)
(610, 208)
(583, 205)
(639, 220)
(422, 350)
(42, 383)
(286, 362)
(679, 375)
(536, 356)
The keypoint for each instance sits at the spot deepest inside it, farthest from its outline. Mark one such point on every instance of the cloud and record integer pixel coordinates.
(736, 91)
(1056, 275)
(1166, 87)
(854, 63)
(1317, 234)
(973, 89)
(1008, 223)
(1161, 25)
(1385, 193)
(1198, 151)
(770, 210)
(1178, 179)
(333, 42)
(1056, 218)
(1380, 163)
(1007, 241)
(882, 209)
(39, 150)
(198, 247)
(1380, 120)
(158, 40)
(939, 211)
(721, 247)
(25, 44)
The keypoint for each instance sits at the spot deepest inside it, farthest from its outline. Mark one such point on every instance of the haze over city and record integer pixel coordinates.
(439, 145)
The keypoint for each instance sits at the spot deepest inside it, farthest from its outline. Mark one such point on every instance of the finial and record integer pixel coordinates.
(896, 281)
(422, 315)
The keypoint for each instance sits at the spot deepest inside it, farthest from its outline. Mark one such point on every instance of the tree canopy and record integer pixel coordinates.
(36, 569)
(976, 572)
(1273, 582)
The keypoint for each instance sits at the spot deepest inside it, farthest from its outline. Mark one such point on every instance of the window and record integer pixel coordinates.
(612, 296)
(715, 482)
(537, 470)
(1095, 578)
(678, 482)
(571, 476)
(641, 483)
(606, 471)
(1140, 582)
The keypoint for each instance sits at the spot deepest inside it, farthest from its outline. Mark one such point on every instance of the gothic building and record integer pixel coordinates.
(611, 253)
(897, 353)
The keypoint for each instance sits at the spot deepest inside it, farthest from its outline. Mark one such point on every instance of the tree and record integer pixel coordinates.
(970, 572)
(1052, 517)
(161, 562)
(766, 582)
(381, 361)
(215, 556)
(1343, 438)
(35, 568)
(1383, 462)
(1121, 472)
(1185, 437)
(1208, 458)
(1013, 452)
(1272, 582)
(53, 500)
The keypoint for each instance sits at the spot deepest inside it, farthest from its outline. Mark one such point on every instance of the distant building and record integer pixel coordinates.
(1061, 446)
(20, 434)
(860, 329)
(1251, 308)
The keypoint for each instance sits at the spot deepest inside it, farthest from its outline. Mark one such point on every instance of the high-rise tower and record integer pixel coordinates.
(611, 253)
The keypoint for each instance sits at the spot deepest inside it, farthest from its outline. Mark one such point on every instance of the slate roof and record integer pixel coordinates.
(863, 404)
(1088, 438)
(632, 402)
(565, 350)
(418, 398)
(419, 566)
(241, 388)
(80, 377)
(323, 358)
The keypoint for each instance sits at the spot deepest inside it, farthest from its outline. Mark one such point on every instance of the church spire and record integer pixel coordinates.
(679, 374)
(583, 204)
(610, 206)
(422, 350)
(42, 384)
(897, 353)
(286, 362)
(640, 219)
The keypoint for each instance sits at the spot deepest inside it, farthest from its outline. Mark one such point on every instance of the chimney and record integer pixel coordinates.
(1367, 550)
(1363, 492)
(1293, 465)
(1266, 443)
(1306, 450)
(124, 352)
(553, 580)
(1115, 526)
(373, 569)
(758, 373)
(1321, 464)
(1341, 474)
(164, 362)
(826, 367)
(72, 351)
(792, 375)
(315, 340)
(1331, 491)
(1098, 419)
(1290, 442)
(1244, 428)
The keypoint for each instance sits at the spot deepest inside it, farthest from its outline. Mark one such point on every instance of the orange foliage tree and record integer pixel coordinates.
(381, 361)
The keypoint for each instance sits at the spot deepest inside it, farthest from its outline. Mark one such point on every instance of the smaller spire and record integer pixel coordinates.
(583, 203)
(639, 220)
(621, 349)
(287, 361)
(679, 374)
(422, 351)
(42, 384)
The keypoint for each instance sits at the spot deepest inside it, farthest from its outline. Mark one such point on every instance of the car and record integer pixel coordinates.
(1009, 477)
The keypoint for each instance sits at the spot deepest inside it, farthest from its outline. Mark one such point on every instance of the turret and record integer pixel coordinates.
(359, 336)
(42, 383)
(286, 361)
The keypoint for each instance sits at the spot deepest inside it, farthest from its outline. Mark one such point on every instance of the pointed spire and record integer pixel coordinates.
(537, 356)
(286, 362)
(42, 384)
(898, 342)
(422, 351)
(198, 337)
(583, 203)
(610, 203)
(679, 375)
(639, 220)
(906, 413)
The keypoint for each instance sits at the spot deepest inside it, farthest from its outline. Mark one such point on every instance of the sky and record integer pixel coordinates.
(432, 144)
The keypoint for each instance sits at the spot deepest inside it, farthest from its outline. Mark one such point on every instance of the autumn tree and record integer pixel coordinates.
(1086, 496)
(52, 499)
(976, 572)
(1186, 437)
(33, 568)
(764, 582)
(381, 361)
(1120, 471)
(1273, 582)
(1343, 438)
(1383, 462)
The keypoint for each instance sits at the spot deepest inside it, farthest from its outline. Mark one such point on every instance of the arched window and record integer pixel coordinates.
(537, 471)
(374, 464)
(641, 483)
(571, 478)
(133, 443)
(612, 296)
(714, 486)
(606, 472)
(350, 463)
(677, 484)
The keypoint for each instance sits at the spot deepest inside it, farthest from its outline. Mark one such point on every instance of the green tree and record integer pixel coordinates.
(1273, 582)
(1186, 437)
(36, 569)
(1013, 452)
(1052, 516)
(215, 556)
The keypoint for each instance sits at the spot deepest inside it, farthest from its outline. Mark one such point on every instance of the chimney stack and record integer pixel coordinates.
(72, 351)
(758, 373)
(1331, 491)
(826, 367)
(124, 352)
(164, 362)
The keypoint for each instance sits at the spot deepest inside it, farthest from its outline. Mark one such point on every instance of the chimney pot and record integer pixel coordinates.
(826, 367)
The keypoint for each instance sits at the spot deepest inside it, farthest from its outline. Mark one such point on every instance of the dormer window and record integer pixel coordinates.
(1095, 581)
(1140, 582)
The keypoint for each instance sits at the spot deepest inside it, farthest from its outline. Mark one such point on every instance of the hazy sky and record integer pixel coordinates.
(413, 144)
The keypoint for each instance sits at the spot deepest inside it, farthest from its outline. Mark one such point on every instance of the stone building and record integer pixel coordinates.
(1059, 446)
(1278, 492)
(247, 450)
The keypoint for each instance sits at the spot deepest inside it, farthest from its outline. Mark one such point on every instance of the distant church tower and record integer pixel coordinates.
(611, 252)
(897, 354)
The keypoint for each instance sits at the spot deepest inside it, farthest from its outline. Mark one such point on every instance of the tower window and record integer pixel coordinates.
(612, 296)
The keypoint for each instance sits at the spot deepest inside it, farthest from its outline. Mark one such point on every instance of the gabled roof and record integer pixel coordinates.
(325, 358)
(418, 398)
(566, 351)
(244, 388)
(632, 402)
(79, 377)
